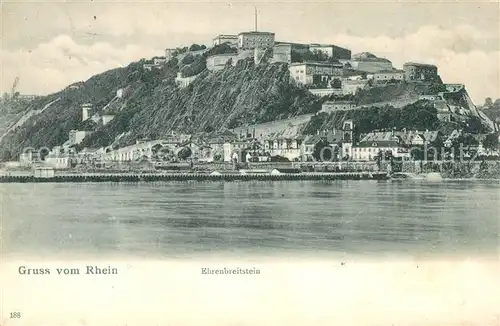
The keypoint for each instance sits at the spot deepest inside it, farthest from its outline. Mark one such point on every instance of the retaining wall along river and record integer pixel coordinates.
(196, 177)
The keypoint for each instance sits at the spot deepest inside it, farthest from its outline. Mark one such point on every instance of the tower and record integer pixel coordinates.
(255, 19)
(347, 131)
(86, 111)
(347, 138)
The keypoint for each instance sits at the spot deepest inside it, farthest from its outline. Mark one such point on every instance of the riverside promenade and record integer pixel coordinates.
(159, 177)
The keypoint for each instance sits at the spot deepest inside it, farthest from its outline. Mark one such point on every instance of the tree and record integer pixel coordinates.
(490, 142)
(474, 126)
(322, 151)
(6, 97)
(184, 153)
(194, 47)
(488, 102)
(336, 83)
(188, 59)
(220, 49)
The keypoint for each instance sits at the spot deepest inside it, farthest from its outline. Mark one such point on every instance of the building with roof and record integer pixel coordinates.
(252, 40)
(309, 146)
(330, 106)
(369, 63)
(389, 75)
(286, 142)
(59, 162)
(182, 81)
(420, 72)
(282, 52)
(132, 152)
(320, 92)
(77, 136)
(225, 39)
(373, 143)
(398, 143)
(332, 51)
(29, 157)
(309, 73)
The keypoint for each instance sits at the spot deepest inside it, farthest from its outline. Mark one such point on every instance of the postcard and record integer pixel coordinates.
(211, 163)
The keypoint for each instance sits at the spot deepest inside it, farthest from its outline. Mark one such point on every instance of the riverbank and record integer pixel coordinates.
(140, 177)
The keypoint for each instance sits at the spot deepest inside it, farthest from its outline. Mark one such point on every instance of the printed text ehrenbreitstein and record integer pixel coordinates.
(228, 271)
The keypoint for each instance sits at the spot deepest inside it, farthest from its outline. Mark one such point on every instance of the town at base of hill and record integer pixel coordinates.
(248, 98)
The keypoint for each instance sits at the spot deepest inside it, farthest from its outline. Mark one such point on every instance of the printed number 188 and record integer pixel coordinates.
(15, 315)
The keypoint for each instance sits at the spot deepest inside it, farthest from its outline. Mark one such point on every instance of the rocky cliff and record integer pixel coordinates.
(155, 106)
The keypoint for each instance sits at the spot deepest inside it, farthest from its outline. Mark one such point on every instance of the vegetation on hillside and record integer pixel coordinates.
(155, 105)
(421, 115)
(492, 109)
(308, 56)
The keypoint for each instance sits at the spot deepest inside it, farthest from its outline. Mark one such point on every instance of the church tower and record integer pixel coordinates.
(347, 138)
(348, 131)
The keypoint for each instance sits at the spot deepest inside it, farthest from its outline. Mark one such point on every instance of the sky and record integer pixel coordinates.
(50, 45)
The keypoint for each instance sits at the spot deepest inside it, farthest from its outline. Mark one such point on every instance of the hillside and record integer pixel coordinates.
(155, 105)
(420, 115)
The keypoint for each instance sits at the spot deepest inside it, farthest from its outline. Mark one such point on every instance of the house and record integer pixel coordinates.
(368, 150)
(369, 146)
(58, 162)
(29, 157)
(384, 76)
(309, 146)
(286, 143)
(235, 151)
(309, 73)
(141, 149)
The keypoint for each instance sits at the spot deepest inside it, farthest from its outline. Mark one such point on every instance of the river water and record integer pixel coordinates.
(374, 253)
(184, 219)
